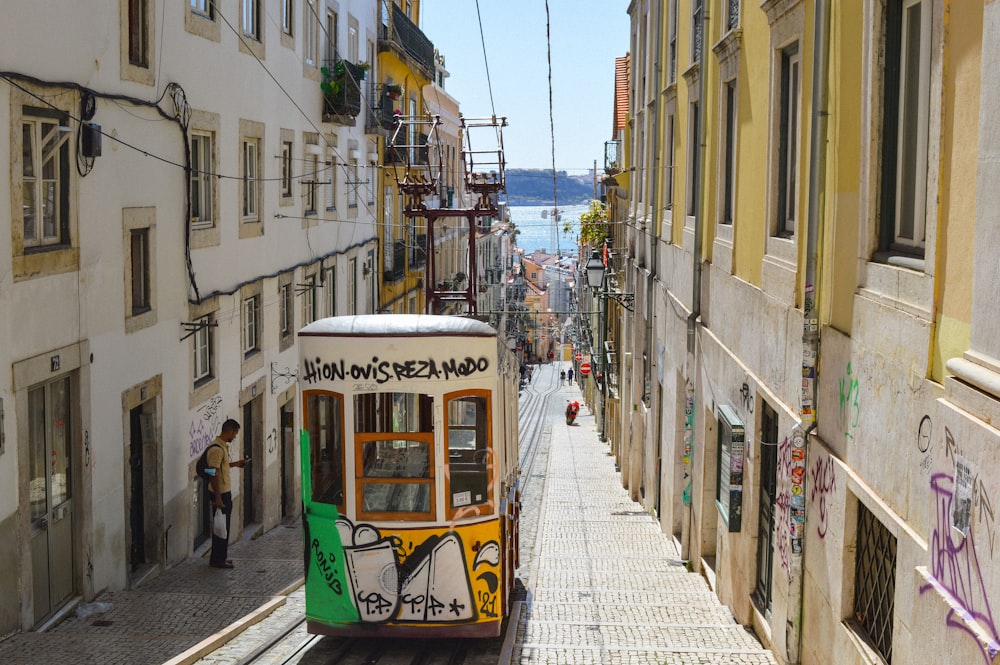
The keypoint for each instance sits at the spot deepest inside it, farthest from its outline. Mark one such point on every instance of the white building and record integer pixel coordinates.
(158, 263)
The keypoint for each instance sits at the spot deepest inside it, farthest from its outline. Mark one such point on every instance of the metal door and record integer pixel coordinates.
(51, 495)
(765, 517)
(246, 476)
(286, 417)
(137, 548)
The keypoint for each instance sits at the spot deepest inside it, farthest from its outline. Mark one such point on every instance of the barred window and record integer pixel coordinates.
(875, 581)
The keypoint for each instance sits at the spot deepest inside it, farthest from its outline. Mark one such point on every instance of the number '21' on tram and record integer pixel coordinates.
(410, 475)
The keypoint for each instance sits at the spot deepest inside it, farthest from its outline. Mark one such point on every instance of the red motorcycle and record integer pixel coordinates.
(571, 410)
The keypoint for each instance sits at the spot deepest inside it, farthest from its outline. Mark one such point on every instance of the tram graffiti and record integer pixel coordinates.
(389, 579)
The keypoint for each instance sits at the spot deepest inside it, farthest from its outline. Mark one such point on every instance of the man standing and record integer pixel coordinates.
(218, 461)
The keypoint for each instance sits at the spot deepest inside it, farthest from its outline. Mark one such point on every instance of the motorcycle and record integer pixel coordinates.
(571, 410)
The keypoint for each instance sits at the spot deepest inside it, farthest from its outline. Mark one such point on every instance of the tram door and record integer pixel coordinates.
(51, 494)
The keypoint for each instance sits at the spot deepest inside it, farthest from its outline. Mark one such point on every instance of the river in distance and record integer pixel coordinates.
(536, 228)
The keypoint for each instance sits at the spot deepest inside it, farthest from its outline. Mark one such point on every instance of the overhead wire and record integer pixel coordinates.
(552, 126)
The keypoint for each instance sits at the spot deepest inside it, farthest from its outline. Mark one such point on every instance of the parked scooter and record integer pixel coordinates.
(571, 410)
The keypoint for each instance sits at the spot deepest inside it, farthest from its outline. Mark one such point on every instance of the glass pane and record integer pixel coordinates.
(61, 442)
(396, 498)
(27, 150)
(468, 443)
(909, 108)
(36, 447)
(29, 210)
(326, 440)
(395, 458)
(392, 412)
(50, 220)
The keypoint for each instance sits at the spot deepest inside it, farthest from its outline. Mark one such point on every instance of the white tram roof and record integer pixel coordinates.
(398, 325)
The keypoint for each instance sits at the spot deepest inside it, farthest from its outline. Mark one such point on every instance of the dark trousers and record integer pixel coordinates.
(220, 546)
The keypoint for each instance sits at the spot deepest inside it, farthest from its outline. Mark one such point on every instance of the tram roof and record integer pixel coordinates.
(398, 325)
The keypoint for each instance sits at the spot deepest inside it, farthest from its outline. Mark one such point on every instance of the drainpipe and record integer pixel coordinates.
(699, 212)
(810, 330)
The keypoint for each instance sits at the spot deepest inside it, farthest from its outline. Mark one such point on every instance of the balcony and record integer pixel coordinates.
(612, 157)
(418, 255)
(395, 267)
(341, 87)
(381, 118)
(403, 37)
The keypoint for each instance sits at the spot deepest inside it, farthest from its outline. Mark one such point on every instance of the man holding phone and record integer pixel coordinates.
(220, 486)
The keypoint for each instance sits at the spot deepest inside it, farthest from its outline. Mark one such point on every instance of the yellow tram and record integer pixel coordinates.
(409, 475)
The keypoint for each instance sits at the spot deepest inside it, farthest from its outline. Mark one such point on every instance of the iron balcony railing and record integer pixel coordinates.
(342, 89)
(403, 35)
(395, 268)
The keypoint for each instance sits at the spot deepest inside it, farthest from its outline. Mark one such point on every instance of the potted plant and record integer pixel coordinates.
(394, 90)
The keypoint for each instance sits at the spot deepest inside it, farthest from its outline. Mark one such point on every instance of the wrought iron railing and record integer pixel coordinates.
(402, 33)
(342, 88)
(395, 268)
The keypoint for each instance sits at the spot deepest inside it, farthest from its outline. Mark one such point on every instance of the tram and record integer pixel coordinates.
(409, 476)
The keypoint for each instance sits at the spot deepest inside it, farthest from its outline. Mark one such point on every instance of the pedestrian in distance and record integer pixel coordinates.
(221, 489)
(562, 377)
(569, 374)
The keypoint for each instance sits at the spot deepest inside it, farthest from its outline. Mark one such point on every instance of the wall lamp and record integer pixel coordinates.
(595, 270)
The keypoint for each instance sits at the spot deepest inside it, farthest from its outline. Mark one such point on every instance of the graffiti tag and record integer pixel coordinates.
(823, 479)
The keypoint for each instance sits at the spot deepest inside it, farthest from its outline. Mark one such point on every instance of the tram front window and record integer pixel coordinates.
(468, 451)
(394, 435)
(325, 413)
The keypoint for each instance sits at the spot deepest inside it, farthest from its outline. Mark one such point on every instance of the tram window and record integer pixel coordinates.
(326, 447)
(395, 476)
(468, 451)
(395, 459)
(393, 412)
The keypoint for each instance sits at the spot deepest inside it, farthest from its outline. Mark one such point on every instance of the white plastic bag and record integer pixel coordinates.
(219, 525)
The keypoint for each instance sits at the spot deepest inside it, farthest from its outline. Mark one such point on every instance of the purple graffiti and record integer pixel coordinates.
(955, 569)
(199, 437)
(824, 482)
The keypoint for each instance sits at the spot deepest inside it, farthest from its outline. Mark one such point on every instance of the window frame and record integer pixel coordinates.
(287, 17)
(789, 141)
(727, 163)
(138, 33)
(251, 180)
(331, 192)
(251, 325)
(286, 312)
(203, 343)
(286, 168)
(331, 291)
(874, 568)
(250, 19)
(489, 503)
(202, 179)
(310, 36)
(338, 430)
(309, 302)
(36, 119)
(140, 276)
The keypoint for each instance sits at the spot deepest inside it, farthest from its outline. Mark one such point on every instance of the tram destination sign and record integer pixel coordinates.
(381, 371)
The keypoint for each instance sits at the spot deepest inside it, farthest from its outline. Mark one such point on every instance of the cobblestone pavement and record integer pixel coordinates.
(605, 584)
(172, 612)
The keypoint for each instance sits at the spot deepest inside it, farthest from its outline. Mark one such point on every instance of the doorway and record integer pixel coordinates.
(50, 487)
(286, 419)
(252, 475)
(765, 517)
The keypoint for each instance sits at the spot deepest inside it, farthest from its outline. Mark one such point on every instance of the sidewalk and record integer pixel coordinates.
(605, 584)
(174, 611)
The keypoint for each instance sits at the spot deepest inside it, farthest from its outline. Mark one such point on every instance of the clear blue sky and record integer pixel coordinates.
(587, 36)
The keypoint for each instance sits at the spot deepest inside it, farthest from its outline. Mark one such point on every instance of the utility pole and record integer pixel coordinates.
(595, 179)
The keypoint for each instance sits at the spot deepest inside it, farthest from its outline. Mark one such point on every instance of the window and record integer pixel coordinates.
(309, 300)
(251, 19)
(694, 163)
(202, 183)
(352, 185)
(251, 325)
(138, 33)
(732, 14)
(325, 422)
(140, 273)
(286, 16)
(352, 285)
(286, 169)
(251, 184)
(395, 455)
(905, 133)
(286, 314)
(788, 142)
(672, 44)
(697, 36)
(668, 168)
(469, 448)
(331, 182)
(309, 33)
(203, 349)
(205, 7)
(45, 178)
(729, 154)
(331, 292)
(875, 581)
(370, 176)
(331, 37)
(311, 184)
(352, 39)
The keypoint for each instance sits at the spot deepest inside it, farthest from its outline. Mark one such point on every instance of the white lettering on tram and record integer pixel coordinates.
(383, 371)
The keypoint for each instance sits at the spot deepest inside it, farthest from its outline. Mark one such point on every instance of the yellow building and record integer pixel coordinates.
(813, 375)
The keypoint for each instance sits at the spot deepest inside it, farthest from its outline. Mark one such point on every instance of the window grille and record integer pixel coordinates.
(875, 581)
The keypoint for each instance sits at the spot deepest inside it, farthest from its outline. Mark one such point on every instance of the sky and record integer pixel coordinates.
(586, 37)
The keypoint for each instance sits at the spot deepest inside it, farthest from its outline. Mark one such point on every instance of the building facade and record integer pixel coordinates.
(168, 233)
(811, 399)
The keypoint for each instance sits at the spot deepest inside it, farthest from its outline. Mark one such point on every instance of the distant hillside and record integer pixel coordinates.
(534, 187)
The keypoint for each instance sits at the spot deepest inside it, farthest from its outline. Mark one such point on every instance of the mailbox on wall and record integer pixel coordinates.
(729, 474)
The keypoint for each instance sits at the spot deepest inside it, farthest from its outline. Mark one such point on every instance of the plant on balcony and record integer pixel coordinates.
(394, 90)
(341, 86)
(594, 225)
